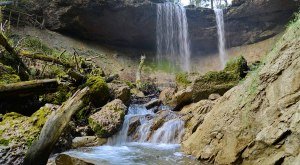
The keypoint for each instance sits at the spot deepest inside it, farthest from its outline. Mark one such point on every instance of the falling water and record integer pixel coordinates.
(221, 36)
(172, 39)
(170, 132)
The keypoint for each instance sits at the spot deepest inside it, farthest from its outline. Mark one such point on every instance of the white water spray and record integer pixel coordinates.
(172, 39)
(221, 36)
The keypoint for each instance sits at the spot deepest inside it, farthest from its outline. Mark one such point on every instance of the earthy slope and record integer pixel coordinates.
(258, 121)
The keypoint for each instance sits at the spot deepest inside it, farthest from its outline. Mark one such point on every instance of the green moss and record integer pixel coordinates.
(36, 45)
(130, 84)
(62, 94)
(16, 128)
(99, 91)
(99, 131)
(182, 79)
(4, 142)
(237, 65)
(8, 75)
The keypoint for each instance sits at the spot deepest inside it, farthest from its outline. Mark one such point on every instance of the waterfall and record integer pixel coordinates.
(172, 39)
(170, 132)
(221, 36)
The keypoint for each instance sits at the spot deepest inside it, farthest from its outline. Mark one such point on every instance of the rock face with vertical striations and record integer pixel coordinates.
(133, 23)
(256, 122)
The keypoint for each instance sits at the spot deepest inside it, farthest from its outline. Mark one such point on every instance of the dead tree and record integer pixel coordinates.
(41, 149)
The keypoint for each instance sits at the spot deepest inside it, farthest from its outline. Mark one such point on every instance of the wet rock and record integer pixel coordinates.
(161, 118)
(109, 119)
(134, 124)
(87, 141)
(120, 91)
(152, 103)
(63, 159)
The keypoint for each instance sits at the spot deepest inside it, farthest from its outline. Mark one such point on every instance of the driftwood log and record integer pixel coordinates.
(40, 150)
(28, 88)
(14, 60)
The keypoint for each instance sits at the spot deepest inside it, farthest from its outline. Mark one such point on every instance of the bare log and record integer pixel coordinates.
(139, 72)
(28, 88)
(42, 57)
(40, 150)
(14, 60)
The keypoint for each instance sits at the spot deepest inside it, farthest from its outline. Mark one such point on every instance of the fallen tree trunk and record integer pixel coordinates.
(40, 150)
(14, 60)
(28, 88)
(42, 57)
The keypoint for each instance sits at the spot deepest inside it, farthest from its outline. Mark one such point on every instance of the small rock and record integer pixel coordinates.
(214, 96)
(87, 141)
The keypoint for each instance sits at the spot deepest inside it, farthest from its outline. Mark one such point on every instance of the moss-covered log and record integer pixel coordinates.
(41, 149)
(28, 88)
(42, 57)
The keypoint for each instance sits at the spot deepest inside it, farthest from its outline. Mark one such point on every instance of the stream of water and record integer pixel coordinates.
(172, 39)
(144, 146)
(221, 36)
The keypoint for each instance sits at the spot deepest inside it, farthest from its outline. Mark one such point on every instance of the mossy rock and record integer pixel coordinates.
(220, 81)
(16, 128)
(63, 94)
(109, 119)
(99, 91)
(211, 82)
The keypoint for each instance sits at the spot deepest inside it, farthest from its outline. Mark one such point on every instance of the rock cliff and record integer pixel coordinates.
(256, 122)
(132, 23)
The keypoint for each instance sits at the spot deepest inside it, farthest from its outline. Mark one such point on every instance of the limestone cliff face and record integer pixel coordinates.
(258, 121)
(132, 23)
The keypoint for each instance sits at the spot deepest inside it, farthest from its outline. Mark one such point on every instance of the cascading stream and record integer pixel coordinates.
(170, 132)
(150, 147)
(172, 39)
(221, 36)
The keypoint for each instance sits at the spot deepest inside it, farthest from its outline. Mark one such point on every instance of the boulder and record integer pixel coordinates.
(120, 91)
(256, 122)
(99, 91)
(109, 119)
(166, 95)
